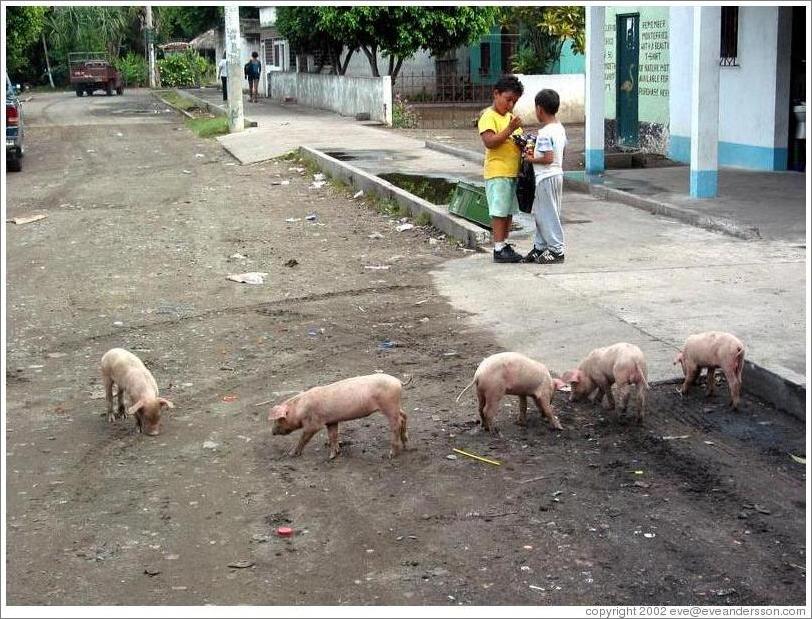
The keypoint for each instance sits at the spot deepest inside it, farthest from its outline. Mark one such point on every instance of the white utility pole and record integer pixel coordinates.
(150, 42)
(236, 121)
(47, 62)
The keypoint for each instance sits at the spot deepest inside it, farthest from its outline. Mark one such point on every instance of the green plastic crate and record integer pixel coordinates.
(469, 202)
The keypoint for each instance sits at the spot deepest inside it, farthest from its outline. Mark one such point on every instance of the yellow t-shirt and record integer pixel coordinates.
(504, 159)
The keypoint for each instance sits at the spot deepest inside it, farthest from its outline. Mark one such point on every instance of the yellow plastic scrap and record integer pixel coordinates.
(465, 453)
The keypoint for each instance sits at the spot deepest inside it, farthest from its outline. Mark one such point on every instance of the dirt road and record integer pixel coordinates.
(145, 221)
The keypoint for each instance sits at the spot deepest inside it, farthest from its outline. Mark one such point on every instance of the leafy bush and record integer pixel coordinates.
(403, 115)
(184, 70)
(133, 69)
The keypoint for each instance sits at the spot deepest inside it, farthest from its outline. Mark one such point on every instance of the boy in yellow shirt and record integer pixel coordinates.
(502, 159)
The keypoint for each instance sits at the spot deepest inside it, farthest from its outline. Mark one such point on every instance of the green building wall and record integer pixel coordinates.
(654, 50)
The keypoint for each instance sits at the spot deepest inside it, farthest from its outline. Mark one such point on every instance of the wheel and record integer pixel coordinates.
(120, 90)
(14, 164)
(79, 91)
(89, 90)
(109, 89)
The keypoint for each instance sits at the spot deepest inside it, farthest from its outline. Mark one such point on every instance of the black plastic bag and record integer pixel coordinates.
(526, 187)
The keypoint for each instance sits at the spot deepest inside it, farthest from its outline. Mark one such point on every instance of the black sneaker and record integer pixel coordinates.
(533, 255)
(507, 254)
(548, 256)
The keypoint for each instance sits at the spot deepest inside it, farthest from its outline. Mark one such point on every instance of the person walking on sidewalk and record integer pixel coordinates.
(222, 73)
(547, 158)
(253, 70)
(502, 159)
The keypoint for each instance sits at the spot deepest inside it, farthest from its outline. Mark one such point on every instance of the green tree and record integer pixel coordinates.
(24, 25)
(397, 32)
(186, 22)
(542, 33)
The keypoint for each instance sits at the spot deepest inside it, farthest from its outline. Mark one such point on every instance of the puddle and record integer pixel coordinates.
(374, 155)
(435, 190)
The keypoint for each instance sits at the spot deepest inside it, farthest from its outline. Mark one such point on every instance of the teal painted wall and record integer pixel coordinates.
(653, 71)
(495, 41)
(569, 62)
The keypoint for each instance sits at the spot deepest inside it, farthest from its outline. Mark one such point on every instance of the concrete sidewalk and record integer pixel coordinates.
(629, 275)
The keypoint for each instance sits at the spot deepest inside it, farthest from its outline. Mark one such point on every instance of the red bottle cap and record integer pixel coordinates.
(284, 532)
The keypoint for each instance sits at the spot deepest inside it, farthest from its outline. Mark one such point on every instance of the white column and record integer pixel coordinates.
(705, 102)
(236, 122)
(594, 86)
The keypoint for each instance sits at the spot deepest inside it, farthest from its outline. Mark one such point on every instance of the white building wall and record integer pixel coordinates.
(680, 20)
(570, 89)
(747, 92)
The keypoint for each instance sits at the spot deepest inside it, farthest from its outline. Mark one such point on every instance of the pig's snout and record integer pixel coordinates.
(278, 428)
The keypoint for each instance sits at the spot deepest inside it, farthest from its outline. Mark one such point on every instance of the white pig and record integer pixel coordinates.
(713, 349)
(347, 399)
(620, 363)
(134, 380)
(511, 373)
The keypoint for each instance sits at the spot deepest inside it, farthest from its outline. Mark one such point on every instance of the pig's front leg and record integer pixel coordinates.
(332, 437)
(546, 408)
(522, 420)
(735, 384)
(691, 372)
(307, 434)
(404, 435)
(108, 392)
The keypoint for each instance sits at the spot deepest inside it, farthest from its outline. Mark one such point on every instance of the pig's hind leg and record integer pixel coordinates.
(522, 420)
(710, 381)
(404, 435)
(122, 412)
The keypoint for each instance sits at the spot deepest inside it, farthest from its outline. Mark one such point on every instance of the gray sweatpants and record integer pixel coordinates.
(547, 213)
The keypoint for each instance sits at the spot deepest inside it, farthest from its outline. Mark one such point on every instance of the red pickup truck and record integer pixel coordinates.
(91, 71)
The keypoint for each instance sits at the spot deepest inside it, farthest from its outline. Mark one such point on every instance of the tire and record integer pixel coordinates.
(79, 91)
(120, 90)
(109, 89)
(14, 164)
(89, 91)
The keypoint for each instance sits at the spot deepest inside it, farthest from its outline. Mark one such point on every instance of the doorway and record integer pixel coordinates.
(796, 144)
(628, 54)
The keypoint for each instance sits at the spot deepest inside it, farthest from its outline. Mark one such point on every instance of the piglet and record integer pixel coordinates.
(511, 373)
(713, 349)
(620, 363)
(134, 380)
(347, 399)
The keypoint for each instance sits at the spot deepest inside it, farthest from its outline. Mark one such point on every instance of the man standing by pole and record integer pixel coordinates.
(236, 122)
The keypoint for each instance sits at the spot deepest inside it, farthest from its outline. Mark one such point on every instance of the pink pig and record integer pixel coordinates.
(711, 350)
(347, 399)
(620, 363)
(511, 373)
(133, 379)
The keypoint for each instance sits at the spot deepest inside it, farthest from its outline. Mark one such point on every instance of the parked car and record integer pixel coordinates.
(14, 129)
(91, 71)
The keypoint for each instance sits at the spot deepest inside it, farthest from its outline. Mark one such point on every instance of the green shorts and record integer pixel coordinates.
(501, 195)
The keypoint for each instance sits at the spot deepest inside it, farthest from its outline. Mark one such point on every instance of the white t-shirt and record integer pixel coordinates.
(222, 68)
(551, 137)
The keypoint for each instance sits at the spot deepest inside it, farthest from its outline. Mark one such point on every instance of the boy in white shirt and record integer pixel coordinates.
(547, 158)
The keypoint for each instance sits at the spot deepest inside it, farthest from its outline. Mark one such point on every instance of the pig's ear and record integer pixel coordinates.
(560, 385)
(278, 412)
(165, 402)
(571, 376)
(135, 407)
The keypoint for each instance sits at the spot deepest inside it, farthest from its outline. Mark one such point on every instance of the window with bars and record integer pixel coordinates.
(730, 37)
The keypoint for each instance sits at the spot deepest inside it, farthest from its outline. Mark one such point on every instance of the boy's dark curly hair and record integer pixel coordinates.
(548, 100)
(509, 83)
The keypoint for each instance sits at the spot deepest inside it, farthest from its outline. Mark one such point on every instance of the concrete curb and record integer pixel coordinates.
(468, 233)
(217, 110)
(602, 192)
(787, 393)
